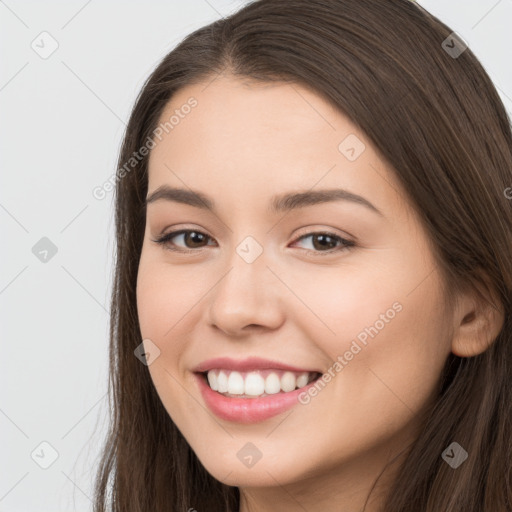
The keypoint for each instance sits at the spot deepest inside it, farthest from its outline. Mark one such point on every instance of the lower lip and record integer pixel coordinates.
(248, 410)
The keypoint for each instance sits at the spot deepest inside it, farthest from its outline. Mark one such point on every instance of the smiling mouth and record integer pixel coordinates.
(257, 383)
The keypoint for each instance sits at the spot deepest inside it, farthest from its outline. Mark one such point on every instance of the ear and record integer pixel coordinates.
(478, 319)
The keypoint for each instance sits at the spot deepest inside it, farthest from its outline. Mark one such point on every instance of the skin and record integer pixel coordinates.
(243, 143)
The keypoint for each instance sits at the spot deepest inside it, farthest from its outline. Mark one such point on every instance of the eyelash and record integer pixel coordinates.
(165, 239)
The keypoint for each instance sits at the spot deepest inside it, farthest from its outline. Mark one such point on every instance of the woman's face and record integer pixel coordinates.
(278, 284)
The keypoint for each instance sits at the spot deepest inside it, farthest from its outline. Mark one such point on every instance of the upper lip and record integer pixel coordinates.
(247, 365)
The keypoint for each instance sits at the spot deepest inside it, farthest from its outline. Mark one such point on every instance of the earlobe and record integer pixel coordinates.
(478, 319)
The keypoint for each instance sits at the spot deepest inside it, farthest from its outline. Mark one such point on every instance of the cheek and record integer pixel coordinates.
(163, 307)
(343, 304)
(170, 307)
(160, 306)
(389, 336)
(393, 306)
(167, 300)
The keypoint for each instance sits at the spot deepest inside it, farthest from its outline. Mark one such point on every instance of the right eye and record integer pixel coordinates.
(191, 236)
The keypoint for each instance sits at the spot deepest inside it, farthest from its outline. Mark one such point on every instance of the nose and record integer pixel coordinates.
(247, 297)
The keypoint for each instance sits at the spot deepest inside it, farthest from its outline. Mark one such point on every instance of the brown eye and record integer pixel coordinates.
(194, 238)
(327, 242)
(193, 241)
(324, 242)
(191, 238)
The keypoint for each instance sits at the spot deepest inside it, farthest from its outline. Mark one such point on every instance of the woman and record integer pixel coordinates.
(312, 298)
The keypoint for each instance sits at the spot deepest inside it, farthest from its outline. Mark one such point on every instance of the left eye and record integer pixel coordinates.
(324, 240)
(327, 240)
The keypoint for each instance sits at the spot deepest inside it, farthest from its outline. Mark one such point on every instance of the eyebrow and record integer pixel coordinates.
(279, 203)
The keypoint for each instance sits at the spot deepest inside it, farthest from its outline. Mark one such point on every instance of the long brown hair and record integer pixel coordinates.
(436, 117)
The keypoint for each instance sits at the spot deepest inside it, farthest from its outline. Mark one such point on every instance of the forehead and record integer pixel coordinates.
(266, 137)
(233, 114)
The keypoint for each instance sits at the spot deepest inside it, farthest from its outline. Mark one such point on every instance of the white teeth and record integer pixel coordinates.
(288, 382)
(212, 380)
(252, 384)
(222, 382)
(236, 383)
(302, 380)
(272, 384)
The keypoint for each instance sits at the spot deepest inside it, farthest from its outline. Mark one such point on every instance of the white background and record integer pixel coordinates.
(61, 121)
